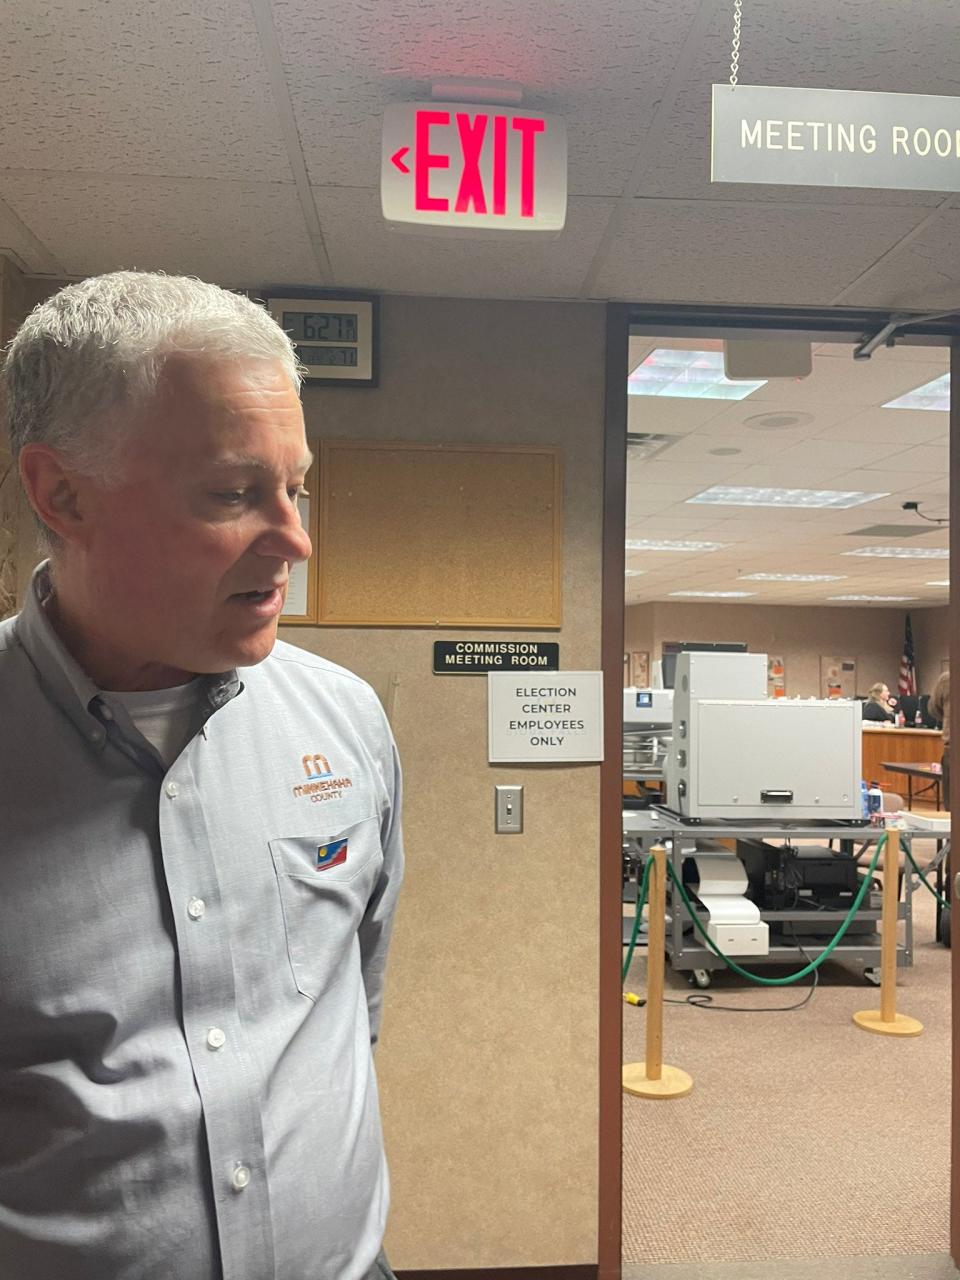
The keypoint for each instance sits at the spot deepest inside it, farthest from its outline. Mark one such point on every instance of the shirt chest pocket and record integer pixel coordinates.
(325, 884)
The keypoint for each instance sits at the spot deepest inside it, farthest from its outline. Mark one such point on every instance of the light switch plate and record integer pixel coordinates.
(508, 810)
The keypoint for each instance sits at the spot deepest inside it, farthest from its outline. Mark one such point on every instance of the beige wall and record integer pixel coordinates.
(18, 529)
(488, 1064)
(797, 634)
(931, 644)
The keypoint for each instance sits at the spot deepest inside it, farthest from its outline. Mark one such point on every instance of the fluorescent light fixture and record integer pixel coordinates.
(688, 375)
(944, 582)
(633, 573)
(932, 395)
(876, 599)
(901, 553)
(716, 595)
(792, 577)
(747, 496)
(670, 544)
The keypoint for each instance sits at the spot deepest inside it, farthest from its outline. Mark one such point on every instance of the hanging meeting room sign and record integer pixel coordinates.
(835, 138)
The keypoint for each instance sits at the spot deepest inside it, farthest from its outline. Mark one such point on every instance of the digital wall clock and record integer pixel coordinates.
(336, 337)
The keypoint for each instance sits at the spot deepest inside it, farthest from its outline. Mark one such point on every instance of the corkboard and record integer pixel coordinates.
(439, 535)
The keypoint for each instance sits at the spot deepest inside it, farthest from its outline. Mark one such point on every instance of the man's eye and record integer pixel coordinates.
(297, 491)
(231, 497)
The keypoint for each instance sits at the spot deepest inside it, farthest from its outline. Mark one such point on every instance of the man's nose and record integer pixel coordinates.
(286, 538)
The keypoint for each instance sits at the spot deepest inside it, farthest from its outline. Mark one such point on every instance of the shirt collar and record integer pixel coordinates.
(64, 680)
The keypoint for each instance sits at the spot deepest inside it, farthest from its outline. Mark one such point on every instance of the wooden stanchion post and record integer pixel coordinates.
(650, 1078)
(885, 1021)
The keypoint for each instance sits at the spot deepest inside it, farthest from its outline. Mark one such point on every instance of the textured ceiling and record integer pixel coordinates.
(239, 139)
(846, 441)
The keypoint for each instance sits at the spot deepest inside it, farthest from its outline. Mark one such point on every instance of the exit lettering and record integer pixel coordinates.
(449, 164)
(470, 133)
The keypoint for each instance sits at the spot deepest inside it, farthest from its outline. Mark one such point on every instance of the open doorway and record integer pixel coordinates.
(798, 1124)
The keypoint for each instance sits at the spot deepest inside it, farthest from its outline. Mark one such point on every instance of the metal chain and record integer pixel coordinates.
(735, 53)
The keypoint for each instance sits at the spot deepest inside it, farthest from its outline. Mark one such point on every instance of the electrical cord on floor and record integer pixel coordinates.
(700, 999)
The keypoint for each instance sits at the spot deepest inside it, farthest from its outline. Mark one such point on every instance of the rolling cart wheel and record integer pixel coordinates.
(872, 975)
(700, 978)
(945, 928)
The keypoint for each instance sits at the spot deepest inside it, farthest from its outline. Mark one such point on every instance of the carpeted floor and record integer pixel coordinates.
(804, 1136)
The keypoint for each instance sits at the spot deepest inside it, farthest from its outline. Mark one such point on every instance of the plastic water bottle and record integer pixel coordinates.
(918, 719)
(864, 802)
(874, 800)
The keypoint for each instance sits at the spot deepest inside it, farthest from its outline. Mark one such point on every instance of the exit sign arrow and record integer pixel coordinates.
(397, 159)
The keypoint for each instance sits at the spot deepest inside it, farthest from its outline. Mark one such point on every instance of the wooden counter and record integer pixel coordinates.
(905, 746)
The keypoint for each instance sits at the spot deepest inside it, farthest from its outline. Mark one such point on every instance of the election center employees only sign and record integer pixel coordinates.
(477, 170)
(545, 718)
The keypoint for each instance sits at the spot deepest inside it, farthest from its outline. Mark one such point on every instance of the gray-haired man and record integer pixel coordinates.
(200, 850)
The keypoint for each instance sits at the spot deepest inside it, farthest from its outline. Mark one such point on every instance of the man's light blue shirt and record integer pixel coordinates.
(191, 973)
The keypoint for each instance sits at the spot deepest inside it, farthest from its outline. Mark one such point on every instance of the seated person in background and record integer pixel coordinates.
(940, 707)
(877, 705)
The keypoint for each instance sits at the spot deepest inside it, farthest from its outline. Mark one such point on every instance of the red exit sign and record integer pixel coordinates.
(473, 168)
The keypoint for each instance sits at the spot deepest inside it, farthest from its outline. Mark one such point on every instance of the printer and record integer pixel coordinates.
(737, 754)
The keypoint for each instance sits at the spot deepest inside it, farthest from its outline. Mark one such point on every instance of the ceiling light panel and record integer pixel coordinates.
(932, 395)
(750, 496)
(943, 582)
(792, 577)
(670, 544)
(687, 375)
(876, 599)
(901, 553)
(716, 595)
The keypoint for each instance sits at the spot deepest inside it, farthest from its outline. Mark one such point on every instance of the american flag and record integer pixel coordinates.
(907, 682)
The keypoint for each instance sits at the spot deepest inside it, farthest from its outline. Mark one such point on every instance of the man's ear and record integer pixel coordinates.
(54, 490)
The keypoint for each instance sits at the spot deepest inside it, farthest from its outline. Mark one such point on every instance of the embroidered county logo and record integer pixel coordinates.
(320, 784)
(316, 767)
(331, 855)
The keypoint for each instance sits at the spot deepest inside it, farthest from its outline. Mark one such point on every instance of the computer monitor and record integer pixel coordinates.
(672, 647)
(909, 703)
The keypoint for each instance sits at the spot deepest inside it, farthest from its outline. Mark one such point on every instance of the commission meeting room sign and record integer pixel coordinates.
(835, 138)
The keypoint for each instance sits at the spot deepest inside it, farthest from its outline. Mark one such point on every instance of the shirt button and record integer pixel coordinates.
(195, 908)
(240, 1177)
(172, 789)
(105, 711)
(96, 735)
(216, 1038)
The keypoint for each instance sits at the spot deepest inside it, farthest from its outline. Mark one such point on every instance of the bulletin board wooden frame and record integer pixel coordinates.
(310, 519)
(434, 535)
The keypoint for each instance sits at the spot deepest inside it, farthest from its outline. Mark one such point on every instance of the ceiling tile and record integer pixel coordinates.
(656, 251)
(604, 67)
(366, 253)
(924, 275)
(167, 88)
(891, 426)
(241, 233)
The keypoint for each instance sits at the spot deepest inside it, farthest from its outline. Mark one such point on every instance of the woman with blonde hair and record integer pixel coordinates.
(877, 705)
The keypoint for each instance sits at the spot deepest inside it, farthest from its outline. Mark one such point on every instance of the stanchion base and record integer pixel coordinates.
(870, 1020)
(673, 1082)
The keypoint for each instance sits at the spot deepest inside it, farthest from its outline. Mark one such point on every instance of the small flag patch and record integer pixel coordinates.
(331, 855)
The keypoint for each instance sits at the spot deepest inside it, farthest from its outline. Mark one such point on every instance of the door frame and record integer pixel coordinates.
(817, 325)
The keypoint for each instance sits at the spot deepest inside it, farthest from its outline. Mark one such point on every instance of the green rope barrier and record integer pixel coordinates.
(727, 961)
(926, 883)
(641, 899)
(814, 964)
